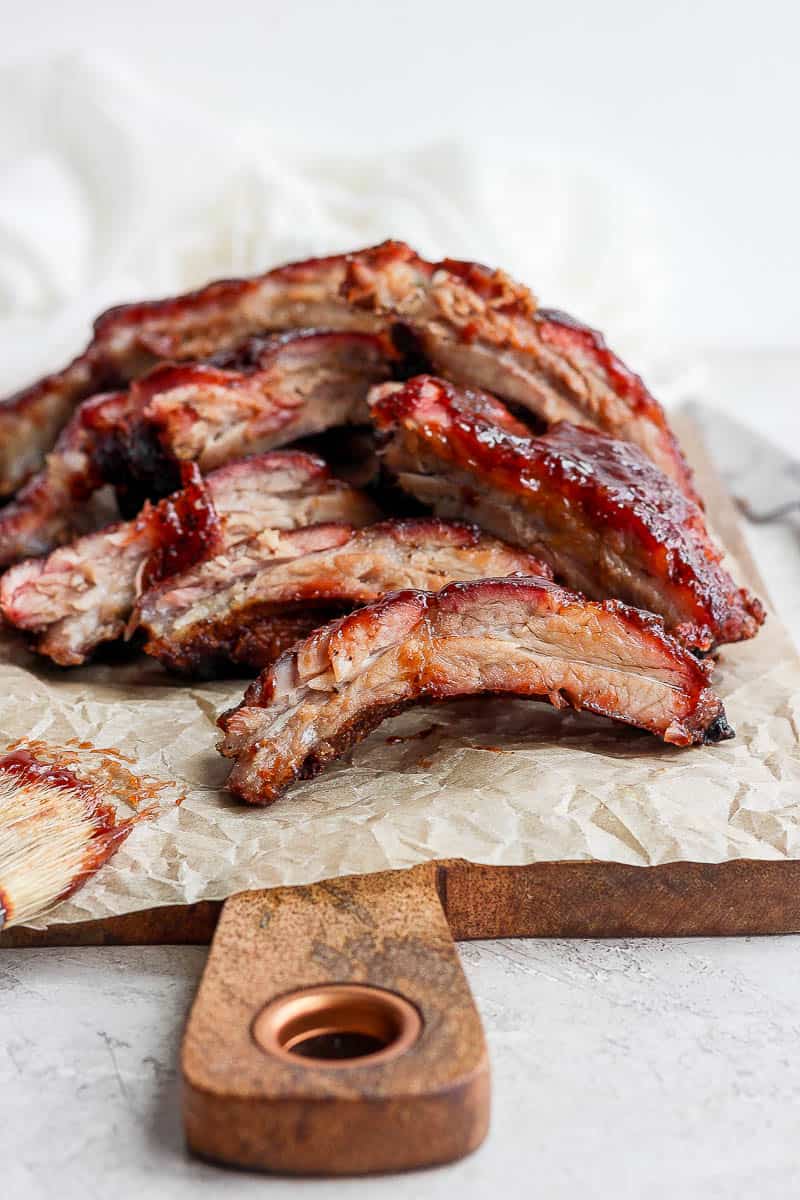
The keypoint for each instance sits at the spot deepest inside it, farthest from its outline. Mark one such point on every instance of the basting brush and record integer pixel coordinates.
(59, 822)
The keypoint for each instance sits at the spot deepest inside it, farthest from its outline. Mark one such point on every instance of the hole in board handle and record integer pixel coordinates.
(337, 1025)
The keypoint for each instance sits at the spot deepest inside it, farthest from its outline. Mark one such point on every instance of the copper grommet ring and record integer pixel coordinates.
(337, 1025)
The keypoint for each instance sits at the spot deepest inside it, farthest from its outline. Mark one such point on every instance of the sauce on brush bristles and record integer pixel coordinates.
(59, 823)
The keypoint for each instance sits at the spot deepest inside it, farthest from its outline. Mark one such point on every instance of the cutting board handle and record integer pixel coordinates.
(334, 1032)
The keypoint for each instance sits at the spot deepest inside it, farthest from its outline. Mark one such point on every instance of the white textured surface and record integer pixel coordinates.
(624, 1069)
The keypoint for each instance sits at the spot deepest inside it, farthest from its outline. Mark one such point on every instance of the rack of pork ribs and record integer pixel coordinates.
(501, 509)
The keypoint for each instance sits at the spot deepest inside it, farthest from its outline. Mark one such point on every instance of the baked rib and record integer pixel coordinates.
(55, 504)
(520, 636)
(476, 326)
(83, 593)
(268, 392)
(264, 394)
(248, 605)
(605, 518)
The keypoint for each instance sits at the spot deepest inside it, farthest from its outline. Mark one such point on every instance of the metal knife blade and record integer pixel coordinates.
(763, 478)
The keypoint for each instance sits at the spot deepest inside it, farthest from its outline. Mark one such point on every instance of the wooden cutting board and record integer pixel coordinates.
(548, 899)
(334, 1032)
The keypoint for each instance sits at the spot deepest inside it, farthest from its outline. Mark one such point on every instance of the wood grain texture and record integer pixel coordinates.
(600, 899)
(554, 899)
(244, 1106)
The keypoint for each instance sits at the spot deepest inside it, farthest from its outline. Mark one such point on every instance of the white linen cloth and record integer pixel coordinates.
(111, 193)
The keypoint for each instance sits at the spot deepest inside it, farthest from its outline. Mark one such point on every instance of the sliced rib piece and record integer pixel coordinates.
(476, 326)
(31, 419)
(481, 329)
(249, 605)
(80, 595)
(283, 489)
(607, 520)
(55, 505)
(83, 594)
(520, 636)
(267, 392)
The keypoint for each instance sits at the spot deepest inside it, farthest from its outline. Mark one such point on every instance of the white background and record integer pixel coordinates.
(656, 1069)
(697, 101)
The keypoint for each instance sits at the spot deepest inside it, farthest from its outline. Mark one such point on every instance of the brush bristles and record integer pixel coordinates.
(51, 837)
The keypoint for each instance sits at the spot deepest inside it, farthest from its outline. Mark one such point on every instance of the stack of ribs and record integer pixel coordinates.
(83, 594)
(268, 392)
(527, 525)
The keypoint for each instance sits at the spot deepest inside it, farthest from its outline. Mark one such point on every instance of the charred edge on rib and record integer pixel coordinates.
(720, 730)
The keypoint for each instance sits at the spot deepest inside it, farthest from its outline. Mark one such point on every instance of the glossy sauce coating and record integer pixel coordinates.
(581, 479)
(378, 290)
(187, 526)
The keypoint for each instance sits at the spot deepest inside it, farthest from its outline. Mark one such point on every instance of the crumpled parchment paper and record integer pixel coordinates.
(493, 781)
